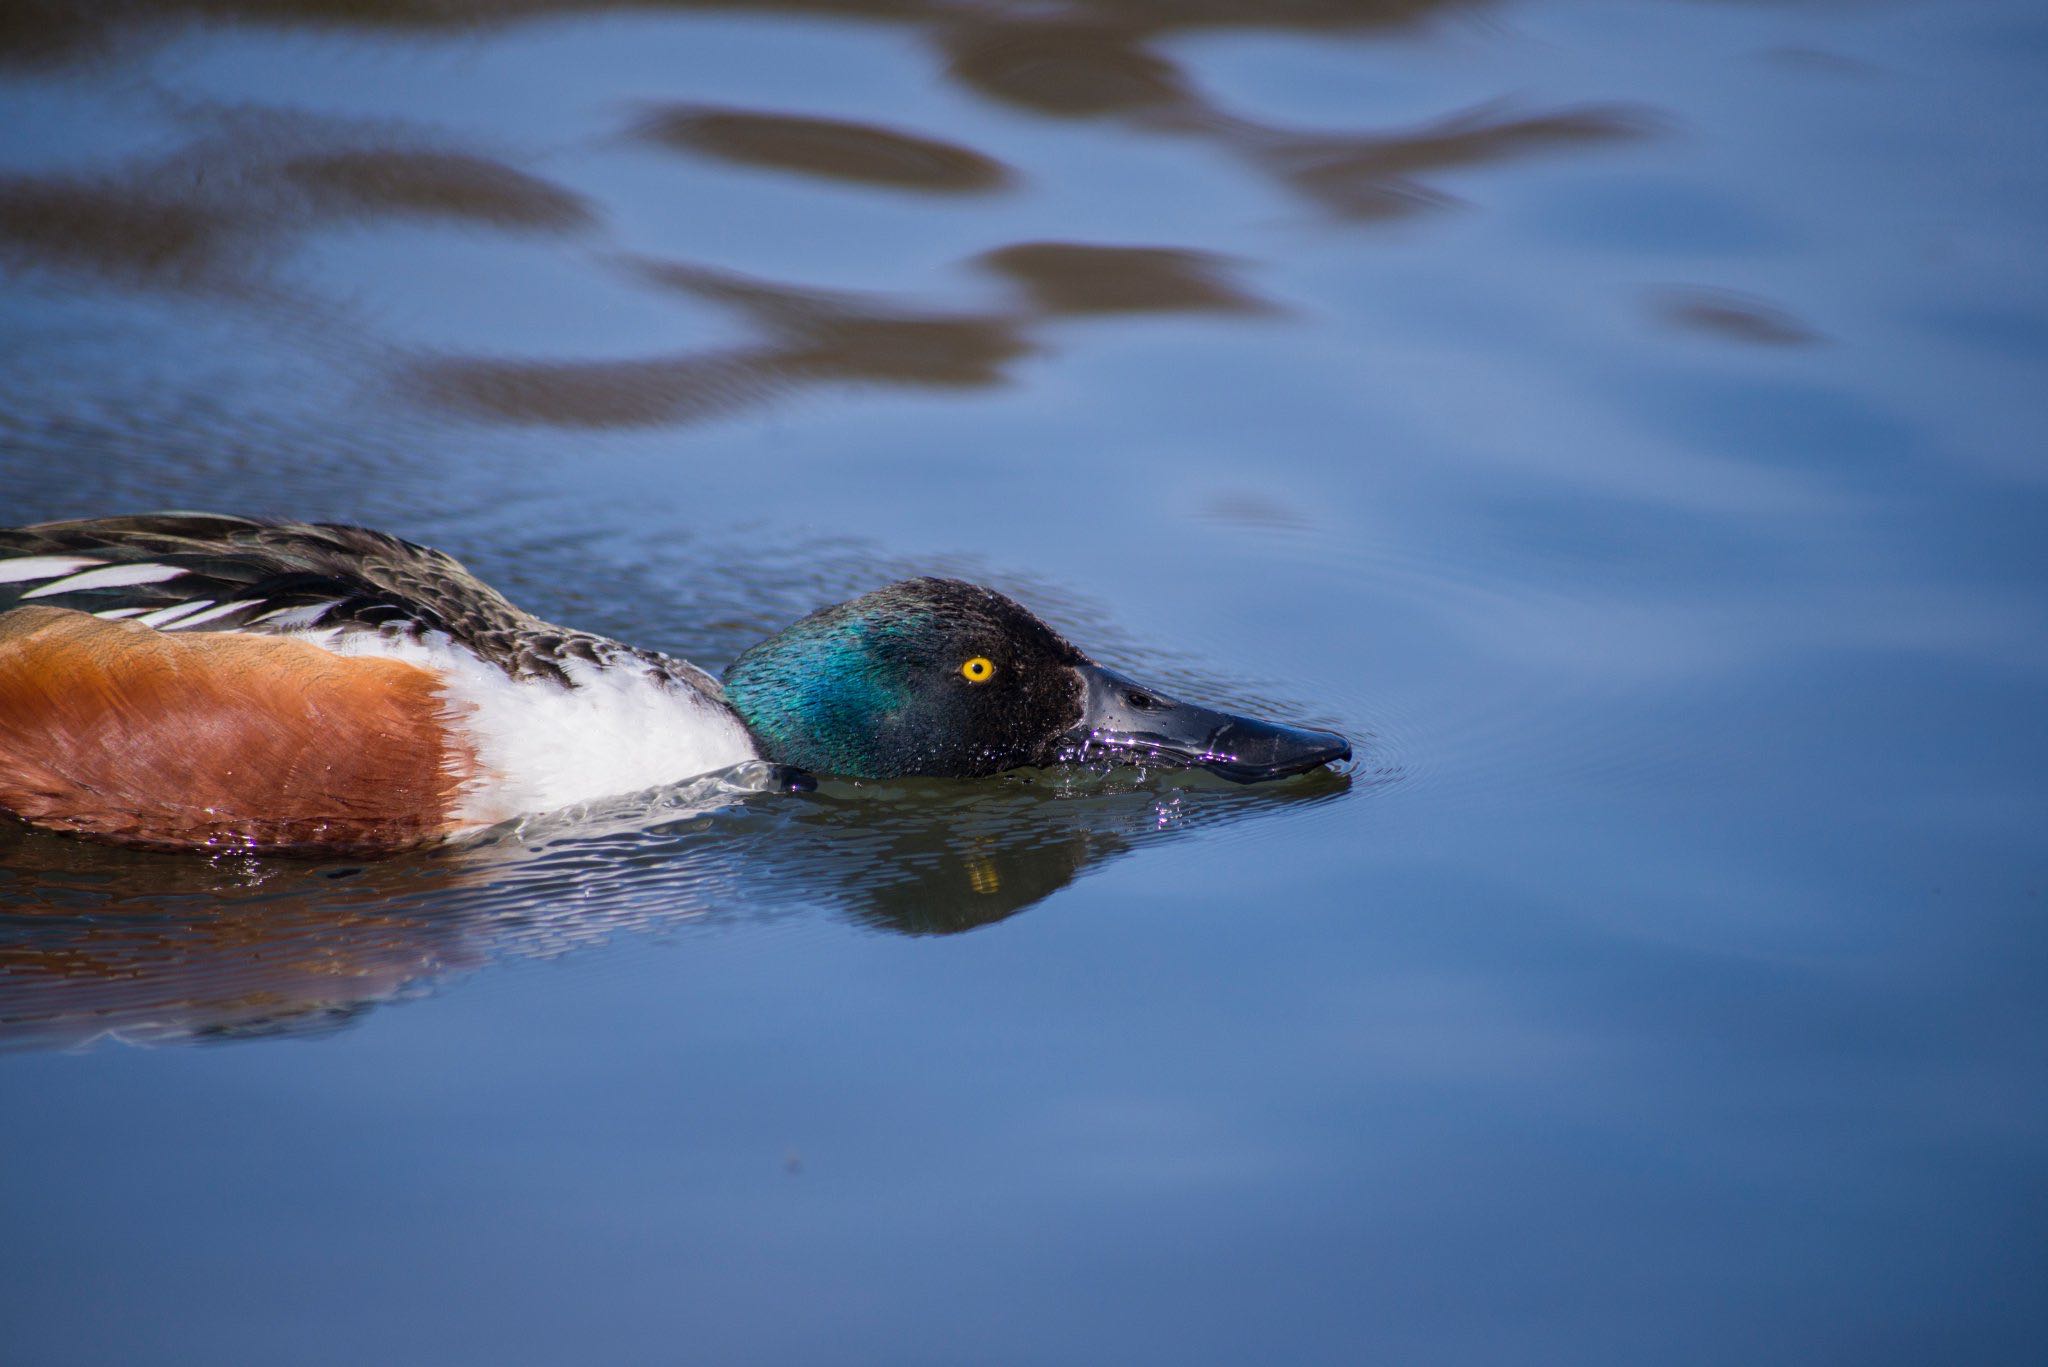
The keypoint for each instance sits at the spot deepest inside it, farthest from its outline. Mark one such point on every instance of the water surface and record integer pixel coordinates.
(1625, 422)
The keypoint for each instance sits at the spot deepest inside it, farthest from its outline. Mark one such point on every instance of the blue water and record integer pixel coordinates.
(1626, 422)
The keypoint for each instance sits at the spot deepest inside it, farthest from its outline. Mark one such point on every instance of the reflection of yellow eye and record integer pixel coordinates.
(978, 670)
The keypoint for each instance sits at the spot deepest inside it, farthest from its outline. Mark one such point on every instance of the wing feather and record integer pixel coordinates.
(213, 572)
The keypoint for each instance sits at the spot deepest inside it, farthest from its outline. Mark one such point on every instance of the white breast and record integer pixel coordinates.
(541, 746)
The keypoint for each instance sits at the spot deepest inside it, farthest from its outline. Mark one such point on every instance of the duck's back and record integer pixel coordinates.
(193, 679)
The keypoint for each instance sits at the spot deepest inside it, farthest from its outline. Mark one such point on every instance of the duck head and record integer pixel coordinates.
(943, 678)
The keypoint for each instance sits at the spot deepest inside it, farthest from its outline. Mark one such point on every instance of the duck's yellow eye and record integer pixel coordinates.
(978, 670)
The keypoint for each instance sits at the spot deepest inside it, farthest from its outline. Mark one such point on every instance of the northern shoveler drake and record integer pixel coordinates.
(197, 681)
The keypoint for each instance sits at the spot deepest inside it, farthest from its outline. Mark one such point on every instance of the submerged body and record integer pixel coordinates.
(196, 681)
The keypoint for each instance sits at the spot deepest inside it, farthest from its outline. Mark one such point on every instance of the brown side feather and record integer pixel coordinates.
(219, 740)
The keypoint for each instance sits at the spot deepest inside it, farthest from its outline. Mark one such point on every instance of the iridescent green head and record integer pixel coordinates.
(929, 676)
(944, 678)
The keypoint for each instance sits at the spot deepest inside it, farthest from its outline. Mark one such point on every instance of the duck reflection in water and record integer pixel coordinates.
(98, 943)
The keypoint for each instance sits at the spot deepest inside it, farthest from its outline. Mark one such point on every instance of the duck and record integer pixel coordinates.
(209, 682)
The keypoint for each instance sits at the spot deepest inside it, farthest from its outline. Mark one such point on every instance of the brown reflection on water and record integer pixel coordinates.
(811, 338)
(829, 335)
(1077, 69)
(1064, 278)
(639, 393)
(215, 214)
(1067, 69)
(128, 232)
(435, 185)
(96, 941)
(818, 337)
(37, 31)
(833, 148)
(1370, 177)
(1730, 315)
(1084, 59)
(99, 943)
(59, 30)
(218, 215)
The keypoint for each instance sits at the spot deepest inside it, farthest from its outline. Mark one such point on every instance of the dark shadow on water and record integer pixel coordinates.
(812, 337)
(1089, 68)
(224, 214)
(1376, 176)
(99, 943)
(40, 32)
(1730, 315)
(1072, 279)
(221, 215)
(432, 184)
(124, 232)
(1087, 59)
(217, 214)
(833, 148)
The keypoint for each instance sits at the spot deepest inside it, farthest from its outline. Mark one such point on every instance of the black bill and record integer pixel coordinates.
(1122, 717)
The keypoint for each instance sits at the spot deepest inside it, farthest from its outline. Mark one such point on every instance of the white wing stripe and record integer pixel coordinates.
(42, 567)
(165, 616)
(107, 577)
(303, 616)
(116, 614)
(207, 616)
